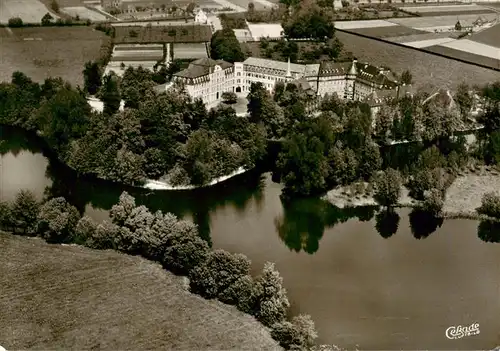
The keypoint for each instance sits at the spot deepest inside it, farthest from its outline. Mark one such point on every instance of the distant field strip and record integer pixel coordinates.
(385, 32)
(135, 47)
(418, 37)
(474, 48)
(225, 3)
(469, 57)
(363, 24)
(426, 43)
(440, 21)
(447, 8)
(84, 13)
(190, 51)
(30, 11)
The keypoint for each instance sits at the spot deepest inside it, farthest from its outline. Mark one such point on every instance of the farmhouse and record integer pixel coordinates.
(208, 79)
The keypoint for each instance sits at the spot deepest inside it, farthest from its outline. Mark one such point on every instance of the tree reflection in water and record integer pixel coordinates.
(387, 222)
(423, 223)
(489, 231)
(303, 222)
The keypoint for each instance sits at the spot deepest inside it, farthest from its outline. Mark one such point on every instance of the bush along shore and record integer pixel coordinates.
(174, 243)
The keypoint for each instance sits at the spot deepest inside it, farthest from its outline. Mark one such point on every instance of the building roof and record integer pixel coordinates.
(365, 71)
(380, 97)
(308, 70)
(264, 30)
(202, 67)
(195, 33)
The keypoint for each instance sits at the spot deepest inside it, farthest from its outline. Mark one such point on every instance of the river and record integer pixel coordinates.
(362, 286)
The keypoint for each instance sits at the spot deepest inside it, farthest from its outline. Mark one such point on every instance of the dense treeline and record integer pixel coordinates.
(158, 135)
(344, 143)
(174, 243)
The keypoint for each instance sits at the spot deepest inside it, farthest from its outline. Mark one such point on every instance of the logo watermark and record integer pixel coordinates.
(458, 332)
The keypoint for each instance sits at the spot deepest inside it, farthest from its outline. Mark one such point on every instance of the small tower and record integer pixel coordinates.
(288, 70)
(351, 81)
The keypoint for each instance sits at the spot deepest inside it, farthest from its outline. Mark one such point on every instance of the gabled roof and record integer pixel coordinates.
(202, 67)
(308, 70)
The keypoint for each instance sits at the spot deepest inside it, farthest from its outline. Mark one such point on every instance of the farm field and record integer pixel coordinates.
(384, 32)
(190, 51)
(30, 11)
(449, 10)
(84, 13)
(51, 52)
(490, 36)
(440, 21)
(429, 42)
(474, 48)
(419, 37)
(71, 298)
(348, 25)
(426, 68)
(464, 55)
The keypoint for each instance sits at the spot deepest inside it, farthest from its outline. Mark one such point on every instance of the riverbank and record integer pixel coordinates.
(462, 199)
(161, 185)
(71, 297)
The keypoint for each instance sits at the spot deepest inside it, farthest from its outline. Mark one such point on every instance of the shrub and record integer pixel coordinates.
(299, 334)
(57, 220)
(6, 220)
(184, 249)
(219, 271)
(229, 97)
(272, 301)
(47, 19)
(426, 179)
(241, 293)
(121, 211)
(85, 230)
(433, 201)
(178, 176)
(490, 205)
(104, 236)
(15, 22)
(25, 211)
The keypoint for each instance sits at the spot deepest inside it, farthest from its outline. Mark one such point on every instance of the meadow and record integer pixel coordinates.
(490, 36)
(427, 69)
(58, 297)
(30, 11)
(42, 52)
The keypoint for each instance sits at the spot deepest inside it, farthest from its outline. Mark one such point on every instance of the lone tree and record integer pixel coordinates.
(406, 77)
(92, 77)
(15, 22)
(47, 19)
(458, 26)
(110, 95)
(388, 188)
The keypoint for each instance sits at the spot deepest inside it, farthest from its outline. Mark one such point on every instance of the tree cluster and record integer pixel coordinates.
(158, 135)
(225, 46)
(175, 244)
(309, 20)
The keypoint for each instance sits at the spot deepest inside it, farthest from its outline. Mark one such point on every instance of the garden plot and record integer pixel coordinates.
(384, 32)
(474, 48)
(190, 51)
(84, 13)
(143, 55)
(429, 42)
(116, 66)
(127, 47)
(438, 22)
(30, 11)
(363, 24)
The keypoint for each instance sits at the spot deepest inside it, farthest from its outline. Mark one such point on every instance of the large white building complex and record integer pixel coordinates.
(208, 79)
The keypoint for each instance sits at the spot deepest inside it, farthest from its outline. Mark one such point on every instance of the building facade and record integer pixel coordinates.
(349, 80)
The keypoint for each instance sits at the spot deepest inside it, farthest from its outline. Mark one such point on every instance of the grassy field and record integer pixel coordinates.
(436, 21)
(490, 36)
(66, 297)
(30, 11)
(418, 37)
(463, 55)
(427, 69)
(384, 32)
(45, 52)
